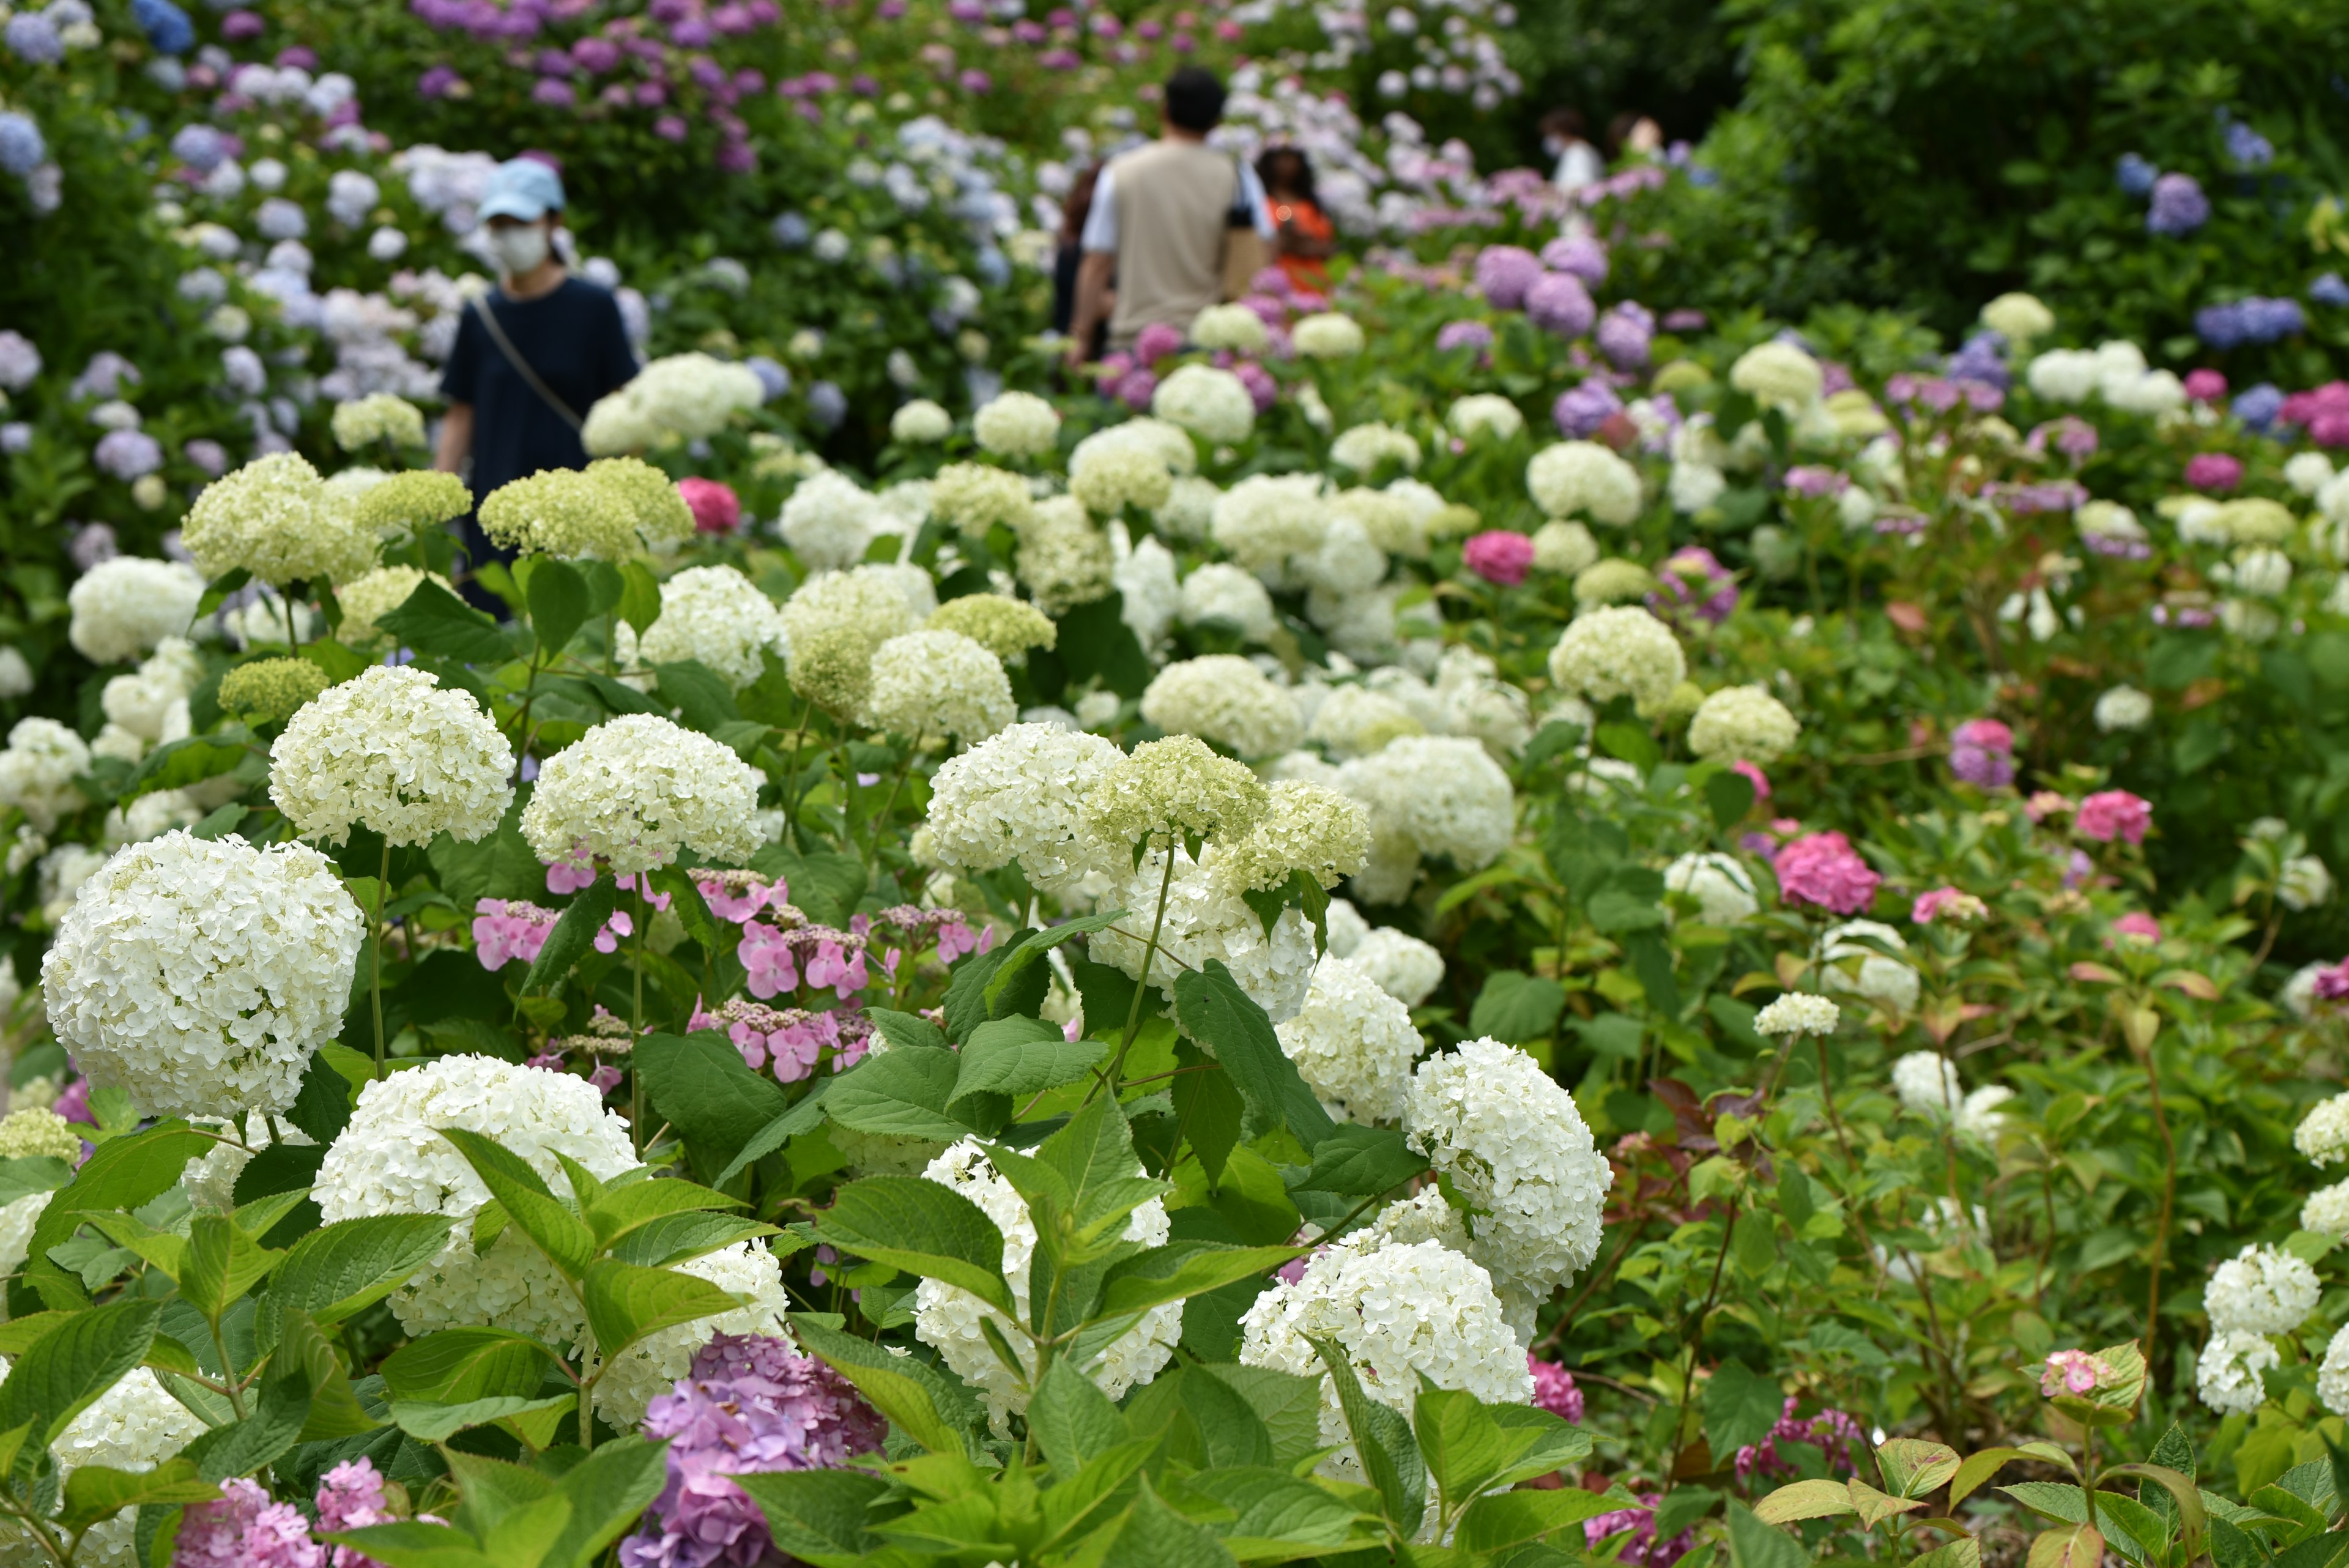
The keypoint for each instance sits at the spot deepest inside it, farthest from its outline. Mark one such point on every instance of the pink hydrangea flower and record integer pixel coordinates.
(246, 1530)
(1946, 904)
(1981, 752)
(2070, 1372)
(1823, 869)
(716, 508)
(2205, 385)
(2111, 813)
(2214, 471)
(563, 876)
(350, 1497)
(1833, 1433)
(1157, 341)
(1499, 555)
(1754, 776)
(771, 965)
(505, 929)
(2137, 925)
(1554, 1389)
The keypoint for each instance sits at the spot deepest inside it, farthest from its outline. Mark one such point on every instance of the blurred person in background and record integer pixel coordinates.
(1631, 134)
(1068, 255)
(1303, 237)
(1565, 138)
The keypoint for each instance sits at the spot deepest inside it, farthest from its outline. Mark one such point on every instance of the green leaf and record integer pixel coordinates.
(1207, 1109)
(23, 1177)
(813, 1514)
(335, 1409)
(826, 888)
(65, 1371)
(96, 1492)
(456, 1364)
(1230, 1434)
(1073, 1420)
(434, 621)
(1030, 948)
(678, 1237)
(1359, 1162)
(1215, 1010)
(411, 1544)
(432, 1423)
(968, 1003)
(700, 694)
(561, 1235)
(1816, 1499)
(1652, 961)
(701, 1085)
(1021, 1056)
(1913, 1466)
(914, 1397)
(1155, 1536)
(801, 1118)
(558, 594)
(345, 1267)
(1095, 641)
(1383, 1440)
(908, 1031)
(1183, 1268)
(899, 1094)
(606, 1491)
(626, 1302)
(1508, 1518)
(924, 1228)
(221, 1264)
(270, 1429)
(1729, 795)
(1514, 1008)
(620, 1210)
(640, 597)
(575, 932)
(176, 764)
(686, 902)
(1287, 1403)
(1754, 1544)
(1740, 1406)
(1275, 1515)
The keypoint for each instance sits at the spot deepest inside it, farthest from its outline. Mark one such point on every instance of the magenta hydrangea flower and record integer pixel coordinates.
(2215, 470)
(1823, 869)
(1136, 388)
(1554, 1389)
(1155, 342)
(1641, 1548)
(1981, 752)
(2205, 385)
(246, 1530)
(1503, 274)
(1952, 903)
(506, 929)
(1498, 555)
(716, 508)
(2070, 1372)
(2111, 813)
(1558, 303)
(1693, 581)
(1834, 1434)
(1262, 389)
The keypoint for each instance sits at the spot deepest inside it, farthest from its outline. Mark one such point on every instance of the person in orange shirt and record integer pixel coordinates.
(1303, 237)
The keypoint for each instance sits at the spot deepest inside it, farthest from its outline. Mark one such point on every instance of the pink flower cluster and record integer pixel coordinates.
(793, 1038)
(505, 929)
(1823, 869)
(1498, 555)
(1981, 752)
(716, 508)
(2070, 1372)
(1641, 1548)
(2111, 813)
(1693, 580)
(2216, 471)
(246, 1530)
(1554, 1389)
(2137, 926)
(2323, 411)
(1834, 1434)
(1947, 903)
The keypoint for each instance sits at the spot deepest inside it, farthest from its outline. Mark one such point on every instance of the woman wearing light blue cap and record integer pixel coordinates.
(532, 355)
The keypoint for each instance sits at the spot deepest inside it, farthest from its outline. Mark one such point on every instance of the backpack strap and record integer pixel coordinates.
(488, 319)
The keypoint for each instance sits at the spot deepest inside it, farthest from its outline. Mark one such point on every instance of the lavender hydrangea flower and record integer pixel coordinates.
(1981, 752)
(1558, 303)
(128, 454)
(33, 38)
(1454, 334)
(2329, 289)
(1981, 357)
(2178, 207)
(2258, 406)
(1582, 409)
(1579, 254)
(21, 147)
(1624, 332)
(828, 403)
(20, 360)
(1503, 274)
(2134, 174)
(200, 146)
(750, 1404)
(2248, 148)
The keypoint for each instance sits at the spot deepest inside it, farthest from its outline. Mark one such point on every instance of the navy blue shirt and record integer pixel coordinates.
(574, 338)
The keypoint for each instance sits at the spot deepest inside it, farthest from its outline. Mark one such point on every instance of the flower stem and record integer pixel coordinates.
(636, 1033)
(1149, 955)
(375, 954)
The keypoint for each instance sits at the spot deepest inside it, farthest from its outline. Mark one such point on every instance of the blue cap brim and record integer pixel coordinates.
(514, 204)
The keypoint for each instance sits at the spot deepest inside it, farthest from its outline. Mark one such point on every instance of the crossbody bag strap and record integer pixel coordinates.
(488, 319)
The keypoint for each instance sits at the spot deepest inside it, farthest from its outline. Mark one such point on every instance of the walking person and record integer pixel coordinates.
(1159, 220)
(532, 356)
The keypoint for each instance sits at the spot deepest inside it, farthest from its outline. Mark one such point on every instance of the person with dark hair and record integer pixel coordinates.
(1631, 134)
(1068, 253)
(1303, 237)
(1564, 136)
(1159, 222)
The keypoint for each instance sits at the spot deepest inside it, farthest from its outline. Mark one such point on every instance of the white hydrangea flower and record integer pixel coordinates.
(1486, 413)
(1881, 978)
(1515, 1145)
(1398, 964)
(379, 416)
(829, 520)
(17, 1219)
(936, 683)
(392, 752)
(1206, 919)
(975, 496)
(1620, 650)
(2260, 1290)
(274, 518)
(947, 1318)
(650, 1367)
(1565, 548)
(1798, 1012)
(134, 1426)
(150, 705)
(1397, 1312)
(2227, 1375)
(1721, 888)
(1347, 927)
(1571, 477)
(62, 872)
(37, 772)
(1020, 796)
(683, 397)
(1233, 326)
(1221, 591)
(920, 423)
(123, 608)
(1064, 559)
(1149, 594)
(1189, 509)
(1016, 425)
(1352, 1043)
(391, 1159)
(1438, 794)
(1223, 699)
(1693, 486)
(2324, 1134)
(1327, 335)
(2327, 1212)
(1266, 518)
(1306, 827)
(1981, 1116)
(714, 616)
(1365, 446)
(634, 790)
(2333, 1375)
(1928, 1084)
(2304, 883)
(2299, 993)
(198, 976)
(1211, 403)
(882, 601)
(2122, 708)
(1358, 721)
(368, 599)
(1779, 375)
(1743, 723)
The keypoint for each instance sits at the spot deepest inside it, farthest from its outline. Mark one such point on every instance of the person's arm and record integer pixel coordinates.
(1094, 271)
(456, 439)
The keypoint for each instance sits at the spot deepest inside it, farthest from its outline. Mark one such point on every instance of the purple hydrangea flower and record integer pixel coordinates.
(1579, 254)
(1503, 274)
(2329, 289)
(93, 545)
(2178, 207)
(1981, 752)
(2249, 321)
(128, 454)
(827, 403)
(1454, 334)
(21, 147)
(2248, 148)
(1981, 357)
(1624, 333)
(2134, 174)
(20, 360)
(2258, 406)
(1558, 303)
(1582, 409)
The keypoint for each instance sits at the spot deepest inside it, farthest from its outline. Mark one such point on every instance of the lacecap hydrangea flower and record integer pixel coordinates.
(392, 752)
(936, 683)
(636, 789)
(391, 1159)
(1352, 1043)
(1582, 476)
(276, 518)
(1743, 723)
(200, 975)
(124, 607)
(714, 616)
(1619, 651)
(1017, 425)
(1223, 699)
(947, 1318)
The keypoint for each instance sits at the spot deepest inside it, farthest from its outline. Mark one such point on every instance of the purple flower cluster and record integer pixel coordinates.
(1581, 408)
(1981, 752)
(1503, 274)
(2253, 320)
(1939, 394)
(1641, 1549)
(1558, 303)
(246, 1529)
(128, 454)
(2046, 495)
(2178, 206)
(1579, 256)
(1693, 581)
(1981, 357)
(1624, 332)
(750, 1404)
(1834, 1434)
(1454, 334)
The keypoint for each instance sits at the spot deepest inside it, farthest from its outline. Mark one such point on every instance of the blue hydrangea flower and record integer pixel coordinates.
(33, 38)
(773, 379)
(2248, 148)
(166, 25)
(2135, 174)
(21, 147)
(200, 146)
(2258, 406)
(828, 403)
(1981, 357)
(2178, 207)
(2329, 290)
(790, 230)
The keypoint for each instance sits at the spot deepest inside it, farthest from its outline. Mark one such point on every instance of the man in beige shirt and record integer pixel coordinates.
(1158, 221)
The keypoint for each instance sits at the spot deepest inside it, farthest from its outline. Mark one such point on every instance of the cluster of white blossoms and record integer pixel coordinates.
(1327, 335)
(1064, 559)
(1398, 1312)
(276, 518)
(1163, 792)
(1428, 796)
(829, 521)
(391, 1159)
(651, 1366)
(884, 601)
(1583, 477)
(682, 397)
(920, 422)
(1266, 518)
(2259, 1293)
(608, 511)
(1721, 888)
(1352, 1043)
(1743, 723)
(1619, 651)
(392, 752)
(123, 608)
(1928, 1084)
(1365, 446)
(1233, 326)
(149, 706)
(938, 684)
(1120, 467)
(1486, 414)
(134, 1426)
(200, 975)
(38, 771)
(1514, 1145)
(1778, 374)
(714, 616)
(1797, 1013)
(2227, 1375)
(1882, 977)
(209, 1179)
(2327, 1212)
(1212, 404)
(1361, 721)
(1397, 962)
(634, 790)
(1305, 828)
(1017, 425)
(1206, 919)
(974, 497)
(1219, 591)
(947, 1318)
(368, 599)
(378, 417)
(1223, 699)
(1020, 796)
(2122, 708)
(2323, 1134)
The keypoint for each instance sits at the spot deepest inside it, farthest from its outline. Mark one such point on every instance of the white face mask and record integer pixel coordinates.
(518, 250)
